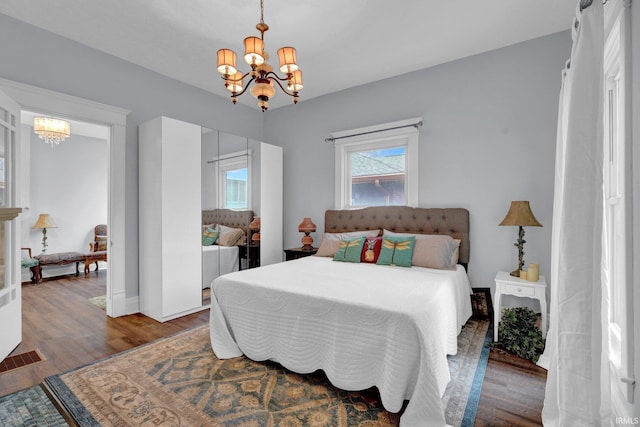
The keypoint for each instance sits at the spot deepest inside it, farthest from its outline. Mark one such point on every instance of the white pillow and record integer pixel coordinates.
(438, 251)
(229, 236)
(331, 241)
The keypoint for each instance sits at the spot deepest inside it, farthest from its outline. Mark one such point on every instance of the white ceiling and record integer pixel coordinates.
(340, 43)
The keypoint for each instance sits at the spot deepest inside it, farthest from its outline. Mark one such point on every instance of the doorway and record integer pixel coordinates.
(32, 98)
(67, 182)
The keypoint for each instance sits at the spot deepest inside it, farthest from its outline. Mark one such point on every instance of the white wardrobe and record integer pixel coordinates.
(169, 177)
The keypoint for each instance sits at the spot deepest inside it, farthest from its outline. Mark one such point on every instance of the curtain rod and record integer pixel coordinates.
(415, 125)
(227, 158)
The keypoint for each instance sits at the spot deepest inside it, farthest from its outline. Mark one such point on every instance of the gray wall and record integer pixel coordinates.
(39, 58)
(488, 138)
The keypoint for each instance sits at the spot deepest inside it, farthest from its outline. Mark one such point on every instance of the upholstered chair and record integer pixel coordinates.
(100, 239)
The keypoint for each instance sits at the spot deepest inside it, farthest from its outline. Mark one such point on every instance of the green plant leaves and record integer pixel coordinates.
(518, 333)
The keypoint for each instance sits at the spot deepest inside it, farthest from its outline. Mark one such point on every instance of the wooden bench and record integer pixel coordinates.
(62, 258)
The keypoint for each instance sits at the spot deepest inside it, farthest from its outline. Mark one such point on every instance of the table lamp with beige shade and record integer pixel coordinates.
(520, 215)
(44, 221)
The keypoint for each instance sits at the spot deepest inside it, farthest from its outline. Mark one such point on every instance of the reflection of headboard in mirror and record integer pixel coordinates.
(228, 217)
(404, 219)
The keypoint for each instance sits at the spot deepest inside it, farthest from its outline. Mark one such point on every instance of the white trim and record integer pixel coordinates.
(66, 106)
(387, 134)
(617, 66)
(232, 160)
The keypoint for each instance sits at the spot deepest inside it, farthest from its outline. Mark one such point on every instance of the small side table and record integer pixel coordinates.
(251, 253)
(295, 253)
(507, 284)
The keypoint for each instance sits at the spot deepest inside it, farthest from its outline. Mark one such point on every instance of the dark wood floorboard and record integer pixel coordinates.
(69, 331)
(512, 392)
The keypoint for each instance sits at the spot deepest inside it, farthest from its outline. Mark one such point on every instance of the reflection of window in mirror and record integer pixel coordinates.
(234, 178)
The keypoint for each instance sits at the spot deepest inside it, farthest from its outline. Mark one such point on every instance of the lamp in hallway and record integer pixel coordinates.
(520, 215)
(50, 130)
(44, 221)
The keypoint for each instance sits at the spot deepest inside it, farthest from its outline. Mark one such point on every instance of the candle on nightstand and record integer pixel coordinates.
(523, 274)
(533, 272)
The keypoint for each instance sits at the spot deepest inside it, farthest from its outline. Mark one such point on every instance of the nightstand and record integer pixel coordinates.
(251, 253)
(507, 284)
(295, 253)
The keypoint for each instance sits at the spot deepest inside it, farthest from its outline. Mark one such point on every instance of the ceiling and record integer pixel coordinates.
(340, 43)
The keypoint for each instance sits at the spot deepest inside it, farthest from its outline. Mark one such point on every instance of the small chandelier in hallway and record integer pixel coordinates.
(50, 130)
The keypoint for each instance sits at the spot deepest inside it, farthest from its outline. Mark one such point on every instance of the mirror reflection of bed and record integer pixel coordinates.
(229, 231)
(233, 180)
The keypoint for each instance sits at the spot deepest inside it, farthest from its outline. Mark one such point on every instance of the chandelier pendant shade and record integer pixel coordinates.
(50, 130)
(262, 79)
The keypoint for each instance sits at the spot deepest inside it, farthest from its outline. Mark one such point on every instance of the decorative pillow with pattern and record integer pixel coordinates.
(350, 249)
(432, 250)
(209, 237)
(371, 249)
(331, 241)
(396, 250)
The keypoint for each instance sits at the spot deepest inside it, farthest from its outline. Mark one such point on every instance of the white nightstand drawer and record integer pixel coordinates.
(519, 290)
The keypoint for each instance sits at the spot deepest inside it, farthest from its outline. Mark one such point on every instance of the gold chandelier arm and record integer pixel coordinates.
(244, 89)
(277, 80)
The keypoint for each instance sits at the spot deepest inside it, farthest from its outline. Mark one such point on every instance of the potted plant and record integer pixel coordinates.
(519, 334)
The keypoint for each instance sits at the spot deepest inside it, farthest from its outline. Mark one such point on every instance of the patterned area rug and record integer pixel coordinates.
(467, 373)
(30, 407)
(179, 381)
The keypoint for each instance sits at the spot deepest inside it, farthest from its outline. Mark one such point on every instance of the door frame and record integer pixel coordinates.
(50, 102)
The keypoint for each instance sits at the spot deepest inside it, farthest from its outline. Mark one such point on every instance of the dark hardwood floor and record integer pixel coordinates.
(69, 331)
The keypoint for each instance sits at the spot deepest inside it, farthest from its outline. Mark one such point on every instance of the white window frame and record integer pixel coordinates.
(231, 161)
(617, 241)
(387, 135)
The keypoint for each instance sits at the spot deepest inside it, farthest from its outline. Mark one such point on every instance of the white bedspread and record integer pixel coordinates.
(216, 261)
(362, 324)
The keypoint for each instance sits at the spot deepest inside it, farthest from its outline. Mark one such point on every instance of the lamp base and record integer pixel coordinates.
(515, 273)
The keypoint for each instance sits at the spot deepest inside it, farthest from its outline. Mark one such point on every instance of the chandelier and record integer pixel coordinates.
(261, 75)
(52, 131)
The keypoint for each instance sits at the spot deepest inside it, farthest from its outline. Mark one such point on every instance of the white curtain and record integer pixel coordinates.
(575, 351)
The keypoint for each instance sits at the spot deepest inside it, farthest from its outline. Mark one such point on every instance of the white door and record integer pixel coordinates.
(10, 286)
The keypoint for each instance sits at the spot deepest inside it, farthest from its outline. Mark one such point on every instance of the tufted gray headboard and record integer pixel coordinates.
(228, 217)
(404, 219)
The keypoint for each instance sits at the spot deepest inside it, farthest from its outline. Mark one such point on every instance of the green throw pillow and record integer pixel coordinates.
(350, 250)
(209, 236)
(397, 250)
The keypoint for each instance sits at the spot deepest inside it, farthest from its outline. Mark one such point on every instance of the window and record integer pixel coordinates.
(377, 166)
(233, 172)
(617, 209)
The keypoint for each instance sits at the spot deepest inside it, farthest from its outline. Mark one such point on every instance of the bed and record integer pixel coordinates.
(216, 259)
(363, 324)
